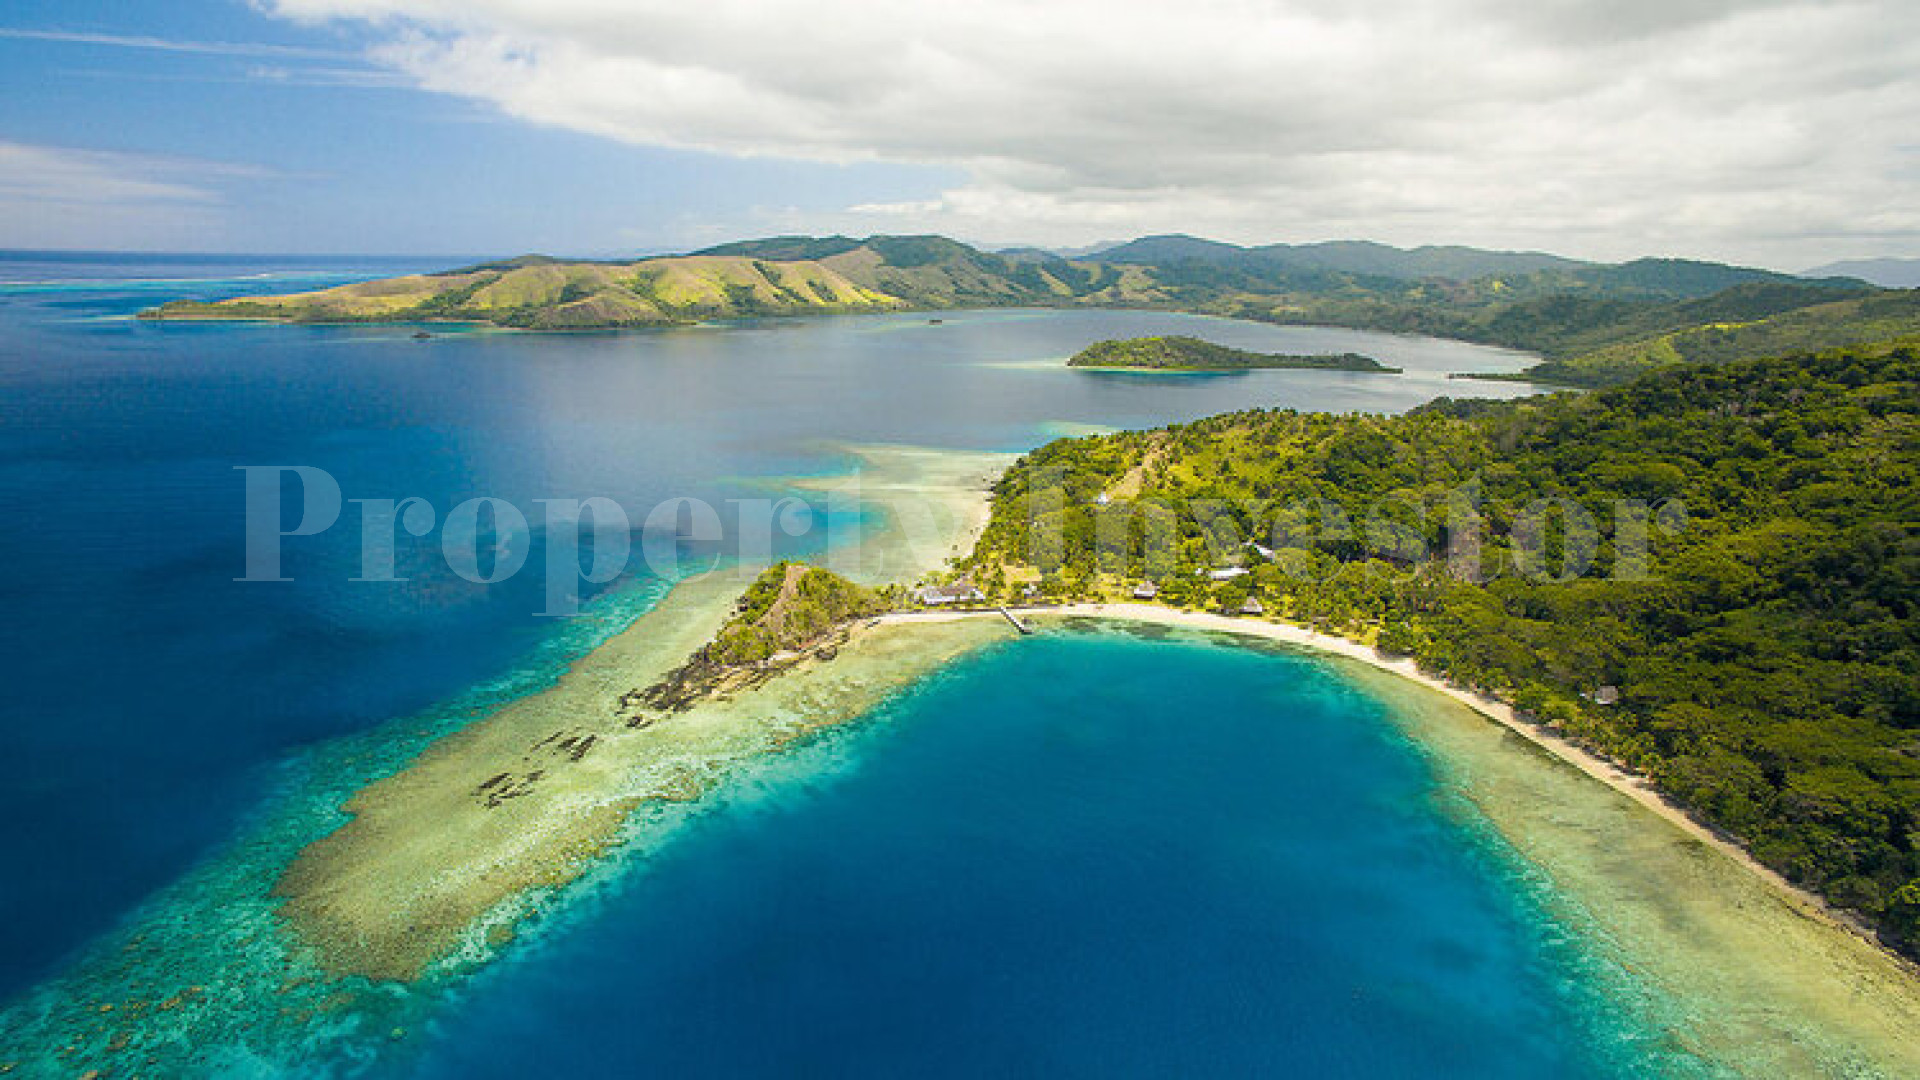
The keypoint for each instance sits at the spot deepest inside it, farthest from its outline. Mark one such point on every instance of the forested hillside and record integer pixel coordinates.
(1725, 329)
(1181, 353)
(1765, 652)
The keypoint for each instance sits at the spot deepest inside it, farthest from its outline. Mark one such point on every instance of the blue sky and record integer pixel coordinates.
(322, 152)
(1773, 132)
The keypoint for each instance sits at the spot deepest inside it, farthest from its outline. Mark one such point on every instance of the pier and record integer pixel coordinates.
(1015, 620)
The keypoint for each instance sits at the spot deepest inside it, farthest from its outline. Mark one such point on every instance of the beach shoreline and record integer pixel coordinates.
(1749, 971)
(1593, 765)
(426, 879)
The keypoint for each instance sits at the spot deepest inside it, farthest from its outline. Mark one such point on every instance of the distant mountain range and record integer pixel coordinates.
(1340, 256)
(1886, 273)
(1595, 323)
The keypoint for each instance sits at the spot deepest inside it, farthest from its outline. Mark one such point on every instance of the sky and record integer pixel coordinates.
(1781, 133)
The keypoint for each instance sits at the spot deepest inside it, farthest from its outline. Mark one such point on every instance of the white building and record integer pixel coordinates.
(959, 592)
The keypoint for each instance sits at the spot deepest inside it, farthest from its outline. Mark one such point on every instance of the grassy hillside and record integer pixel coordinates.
(544, 294)
(1594, 324)
(1766, 655)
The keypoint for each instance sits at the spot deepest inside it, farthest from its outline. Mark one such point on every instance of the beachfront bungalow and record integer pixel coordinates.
(960, 592)
(1145, 591)
(1252, 607)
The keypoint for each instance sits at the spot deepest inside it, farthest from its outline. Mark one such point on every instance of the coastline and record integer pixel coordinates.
(935, 505)
(432, 859)
(428, 879)
(1768, 979)
(1592, 765)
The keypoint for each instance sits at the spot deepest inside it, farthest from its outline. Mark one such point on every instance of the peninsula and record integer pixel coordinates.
(1182, 353)
(533, 794)
(1755, 659)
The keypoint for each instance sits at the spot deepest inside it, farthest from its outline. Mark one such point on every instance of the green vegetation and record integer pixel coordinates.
(1765, 649)
(791, 611)
(1851, 321)
(542, 294)
(1568, 318)
(1179, 353)
(1341, 257)
(790, 606)
(1595, 325)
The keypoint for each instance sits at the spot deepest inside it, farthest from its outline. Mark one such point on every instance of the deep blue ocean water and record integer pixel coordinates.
(173, 735)
(1085, 854)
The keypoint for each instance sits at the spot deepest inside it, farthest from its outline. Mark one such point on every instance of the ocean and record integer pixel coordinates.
(1083, 853)
(1048, 861)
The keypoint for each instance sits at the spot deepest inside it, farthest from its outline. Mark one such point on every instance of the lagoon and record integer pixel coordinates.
(1046, 860)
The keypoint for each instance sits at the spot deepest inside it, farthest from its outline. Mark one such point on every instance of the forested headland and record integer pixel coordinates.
(1708, 574)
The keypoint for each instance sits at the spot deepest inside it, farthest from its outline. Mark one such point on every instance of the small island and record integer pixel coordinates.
(1180, 353)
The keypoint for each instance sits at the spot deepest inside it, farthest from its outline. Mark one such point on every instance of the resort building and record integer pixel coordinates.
(1145, 591)
(960, 592)
(1252, 607)
(1228, 573)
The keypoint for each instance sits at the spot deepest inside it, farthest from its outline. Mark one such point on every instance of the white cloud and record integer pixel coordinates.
(60, 197)
(1771, 130)
(176, 45)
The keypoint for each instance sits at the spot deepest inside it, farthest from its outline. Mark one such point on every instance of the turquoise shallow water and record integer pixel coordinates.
(1086, 854)
(1040, 860)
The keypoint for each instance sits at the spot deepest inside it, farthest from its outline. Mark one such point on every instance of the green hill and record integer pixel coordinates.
(781, 276)
(545, 294)
(1596, 323)
(1180, 353)
(791, 612)
(1761, 664)
(1357, 257)
(1722, 332)
(786, 248)
(1561, 316)
(1172, 248)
